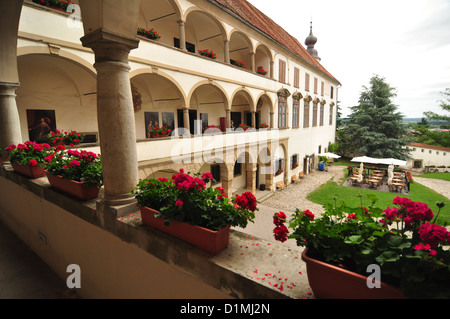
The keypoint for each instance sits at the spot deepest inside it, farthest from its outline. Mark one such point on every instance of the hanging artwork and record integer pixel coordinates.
(168, 120)
(40, 124)
(151, 122)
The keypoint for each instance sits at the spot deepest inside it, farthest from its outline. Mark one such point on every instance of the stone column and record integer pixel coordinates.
(228, 115)
(115, 114)
(227, 51)
(9, 118)
(271, 119)
(271, 71)
(252, 61)
(226, 176)
(253, 119)
(181, 24)
(186, 119)
(251, 177)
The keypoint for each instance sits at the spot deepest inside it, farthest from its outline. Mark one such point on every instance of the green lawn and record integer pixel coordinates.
(418, 193)
(443, 176)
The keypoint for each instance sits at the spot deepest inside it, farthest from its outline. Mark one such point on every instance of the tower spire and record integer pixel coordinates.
(310, 41)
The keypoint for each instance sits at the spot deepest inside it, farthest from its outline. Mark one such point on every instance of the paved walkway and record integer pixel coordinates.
(438, 185)
(288, 200)
(23, 275)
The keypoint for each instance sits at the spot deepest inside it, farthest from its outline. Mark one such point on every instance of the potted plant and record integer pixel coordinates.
(278, 172)
(244, 126)
(56, 137)
(210, 129)
(60, 5)
(207, 53)
(160, 132)
(150, 34)
(403, 243)
(261, 70)
(238, 63)
(71, 138)
(263, 125)
(28, 158)
(185, 207)
(75, 172)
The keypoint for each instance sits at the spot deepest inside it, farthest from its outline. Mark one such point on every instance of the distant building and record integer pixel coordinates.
(256, 74)
(424, 156)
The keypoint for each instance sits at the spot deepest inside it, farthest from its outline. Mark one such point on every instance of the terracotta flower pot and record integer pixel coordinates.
(29, 171)
(332, 282)
(74, 188)
(208, 240)
(159, 135)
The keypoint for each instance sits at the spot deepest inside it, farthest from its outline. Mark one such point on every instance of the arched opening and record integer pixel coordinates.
(240, 50)
(157, 101)
(264, 107)
(58, 91)
(163, 17)
(204, 32)
(207, 104)
(243, 111)
(263, 60)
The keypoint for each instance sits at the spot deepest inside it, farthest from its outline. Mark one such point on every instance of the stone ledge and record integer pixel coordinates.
(250, 268)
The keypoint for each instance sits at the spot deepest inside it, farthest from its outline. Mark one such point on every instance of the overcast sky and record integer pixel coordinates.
(407, 42)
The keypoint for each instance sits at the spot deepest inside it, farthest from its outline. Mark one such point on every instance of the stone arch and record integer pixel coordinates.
(206, 32)
(241, 48)
(56, 51)
(162, 98)
(67, 90)
(163, 16)
(163, 75)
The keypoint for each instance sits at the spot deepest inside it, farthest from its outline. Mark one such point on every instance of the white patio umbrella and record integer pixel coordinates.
(390, 173)
(332, 155)
(360, 175)
(372, 160)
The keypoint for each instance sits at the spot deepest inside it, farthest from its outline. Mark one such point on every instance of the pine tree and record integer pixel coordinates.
(375, 127)
(445, 105)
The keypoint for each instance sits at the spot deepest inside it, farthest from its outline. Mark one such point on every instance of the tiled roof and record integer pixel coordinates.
(433, 147)
(247, 12)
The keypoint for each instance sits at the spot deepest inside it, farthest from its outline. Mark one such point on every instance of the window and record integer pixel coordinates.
(282, 71)
(306, 82)
(322, 110)
(189, 46)
(331, 114)
(322, 88)
(282, 110)
(215, 172)
(315, 85)
(306, 114)
(279, 166)
(296, 77)
(295, 114)
(314, 120)
(332, 92)
(237, 168)
(294, 161)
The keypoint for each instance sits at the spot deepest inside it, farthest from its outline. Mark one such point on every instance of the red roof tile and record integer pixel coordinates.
(433, 147)
(247, 12)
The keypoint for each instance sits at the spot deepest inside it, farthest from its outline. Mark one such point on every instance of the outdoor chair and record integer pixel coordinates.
(280, 185)
(295, 179)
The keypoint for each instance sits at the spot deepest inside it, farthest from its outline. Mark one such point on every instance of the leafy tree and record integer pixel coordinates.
(445, 105)
(375, 127)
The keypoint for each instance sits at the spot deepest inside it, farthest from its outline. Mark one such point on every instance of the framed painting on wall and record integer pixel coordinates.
(168, 120)
(40, 124)
(151, 121)
(204, 119)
